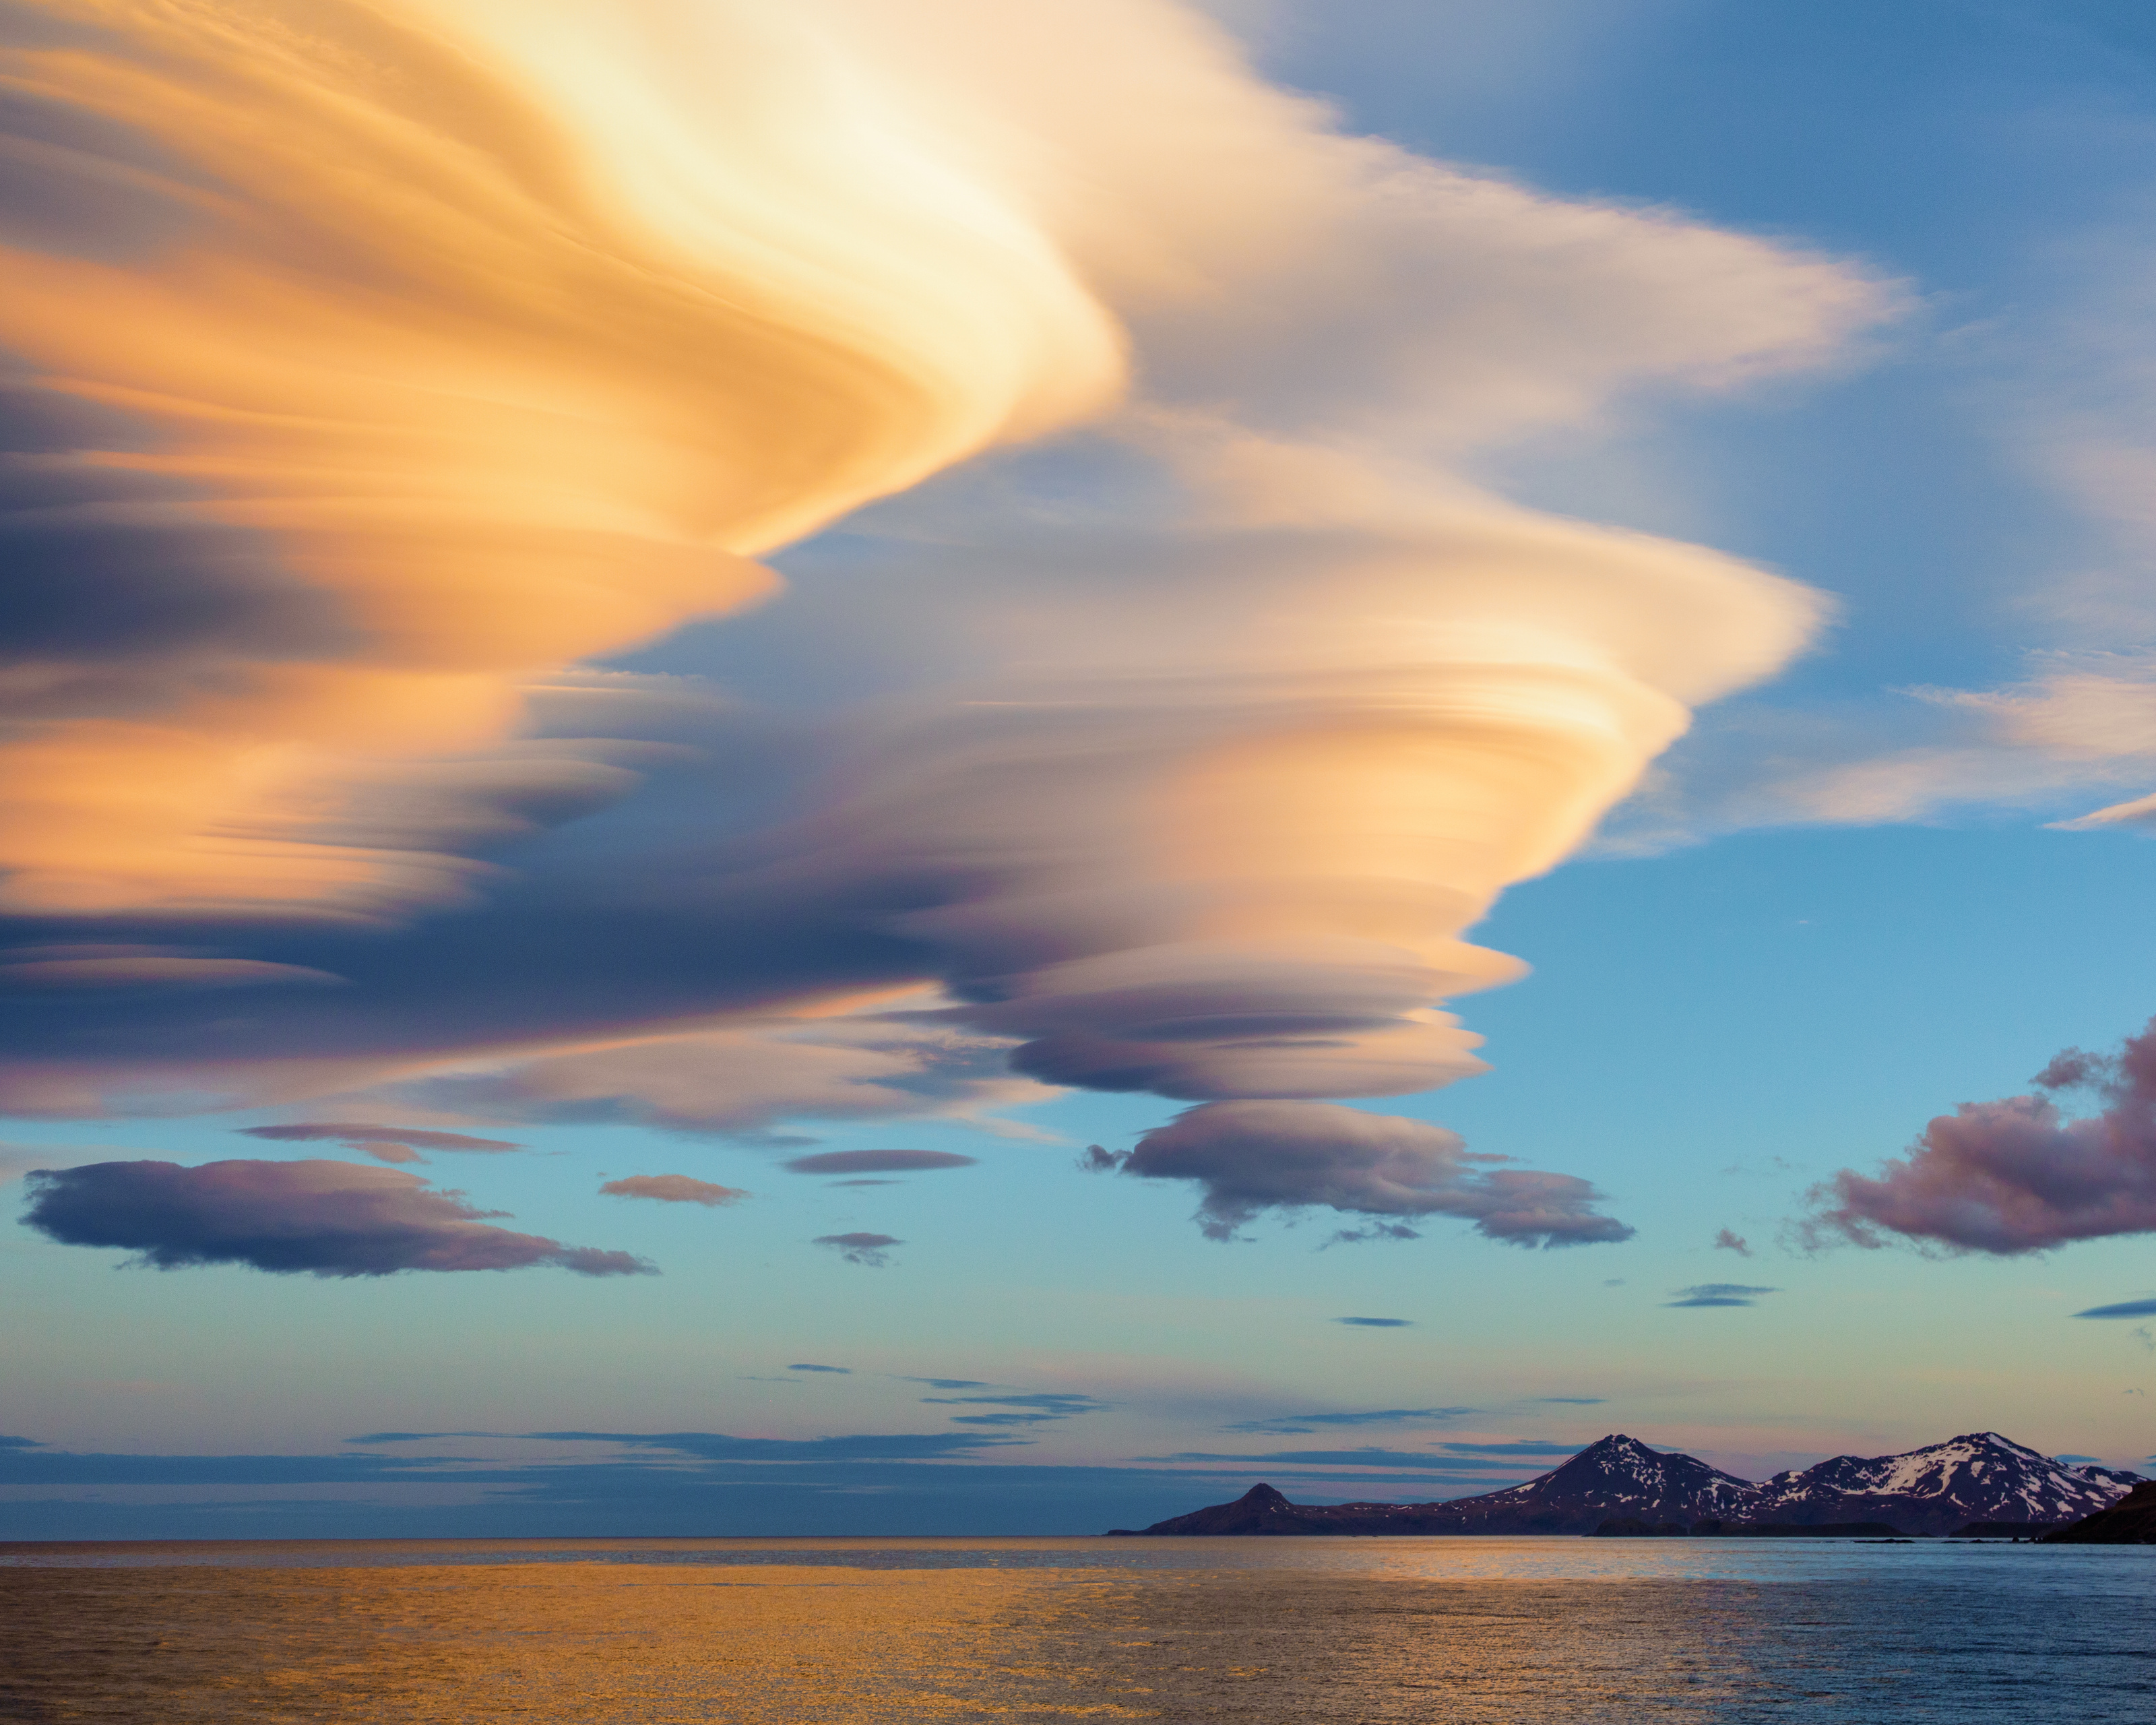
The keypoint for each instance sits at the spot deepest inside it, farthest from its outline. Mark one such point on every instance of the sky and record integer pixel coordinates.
(975, 769)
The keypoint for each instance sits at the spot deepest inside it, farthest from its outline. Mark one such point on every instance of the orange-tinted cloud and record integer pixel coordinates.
(382, 359)
(488, 338)
(673, 1188)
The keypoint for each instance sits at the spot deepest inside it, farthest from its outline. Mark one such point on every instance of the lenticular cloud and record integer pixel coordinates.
(2016, 1175)
(381, 361)
(1253, 1157)
(326, 1219)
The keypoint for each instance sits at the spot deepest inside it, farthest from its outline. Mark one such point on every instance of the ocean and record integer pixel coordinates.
(1315, 1630)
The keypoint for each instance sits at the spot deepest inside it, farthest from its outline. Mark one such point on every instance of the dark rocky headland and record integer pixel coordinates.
(2131, 1521)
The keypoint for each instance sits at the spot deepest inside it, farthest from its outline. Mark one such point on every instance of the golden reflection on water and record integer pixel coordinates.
(608, 1642)
(759, 1643)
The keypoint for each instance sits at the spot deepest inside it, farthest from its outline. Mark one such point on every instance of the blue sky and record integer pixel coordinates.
(1745, 983)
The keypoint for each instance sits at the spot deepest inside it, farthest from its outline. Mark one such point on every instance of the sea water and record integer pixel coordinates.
(1321, 1629)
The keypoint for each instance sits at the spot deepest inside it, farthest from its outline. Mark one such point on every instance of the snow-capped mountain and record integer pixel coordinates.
(1616, 1475)
(1980, 1476)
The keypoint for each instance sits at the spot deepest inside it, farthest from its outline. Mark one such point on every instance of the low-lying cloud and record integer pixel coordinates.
(384, 1143)
(673, 1188)
(1377, 1323)
(1252, 1157)
(324, 1218)
(2016, 1175)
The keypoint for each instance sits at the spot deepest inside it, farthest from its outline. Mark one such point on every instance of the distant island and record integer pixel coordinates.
(1980, 1485)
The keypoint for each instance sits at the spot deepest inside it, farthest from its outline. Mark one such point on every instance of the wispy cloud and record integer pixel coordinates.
(1412, 1460)
(1515, 1446)
(1719, 1293)
(384, 1143)
(1287, 1423)
(1018, 1408)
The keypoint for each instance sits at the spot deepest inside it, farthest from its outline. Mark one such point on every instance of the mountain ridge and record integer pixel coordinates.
(1978, 1476)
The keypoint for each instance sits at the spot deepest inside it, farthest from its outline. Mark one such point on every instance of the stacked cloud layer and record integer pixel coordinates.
(381, 360)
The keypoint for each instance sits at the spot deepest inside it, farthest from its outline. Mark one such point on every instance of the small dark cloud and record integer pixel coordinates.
(2125, 1308)
(415, 1437)
(837, 1371)
(880, 1162)
(673, 1188)
(1377, 1323)
(1097, 1160)
(2016, 1175)
(2074, 1459)
(871, 1250)
(1287, 1424)
(1718, 1293)
(1375, 1230)
(325, 1218)
(1726, 1241)
(1250, 1157)
(1614, 1281)
(384, 1143)
(1572, 1401)
(20, 1443)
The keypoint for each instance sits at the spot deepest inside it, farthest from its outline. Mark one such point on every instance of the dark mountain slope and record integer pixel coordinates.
(2132, 1521)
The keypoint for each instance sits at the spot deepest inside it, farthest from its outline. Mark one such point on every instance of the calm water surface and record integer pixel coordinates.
(600, 1631)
